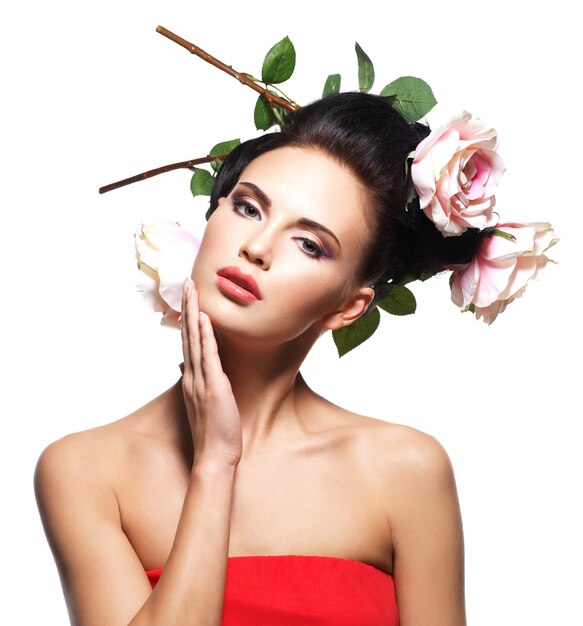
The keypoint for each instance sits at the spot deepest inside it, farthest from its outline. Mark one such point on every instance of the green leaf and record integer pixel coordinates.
(263, 115)
(413, 97)
(266, 116)
(365, 69)
(332, 85)
(224, 147)
(279, 62)
(400, 301)
(349, 337)
(487, 232)
(201, 183)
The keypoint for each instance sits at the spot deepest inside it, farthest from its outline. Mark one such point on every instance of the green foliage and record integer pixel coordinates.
(332, 85)
(365, 69)
(399, 301)
(279, 62)
(201, 183)
(267, 115)
(349, 337)
(263, 115)
(202, 180)
(490, 232)
(412, 97)
(224, 147)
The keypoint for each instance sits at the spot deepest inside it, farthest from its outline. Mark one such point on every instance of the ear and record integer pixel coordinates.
(350, 311)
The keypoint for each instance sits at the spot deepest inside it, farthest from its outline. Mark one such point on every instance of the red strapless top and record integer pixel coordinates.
(292, 590)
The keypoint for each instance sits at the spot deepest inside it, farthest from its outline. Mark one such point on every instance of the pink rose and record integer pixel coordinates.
(455, 171)
(165, 253)
(502, 266)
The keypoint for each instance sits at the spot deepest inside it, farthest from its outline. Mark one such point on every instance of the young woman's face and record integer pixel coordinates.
(295, 223)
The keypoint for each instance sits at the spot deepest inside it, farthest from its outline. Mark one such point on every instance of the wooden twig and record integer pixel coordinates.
(161, 170)
(240, 76)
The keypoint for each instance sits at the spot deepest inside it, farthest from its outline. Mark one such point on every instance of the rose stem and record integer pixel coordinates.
(160, 170)
(241, 77)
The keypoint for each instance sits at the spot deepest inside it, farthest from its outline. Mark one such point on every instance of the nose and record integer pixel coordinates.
(257, 249)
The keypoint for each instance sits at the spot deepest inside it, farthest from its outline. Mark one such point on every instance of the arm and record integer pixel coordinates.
(103, 580)
(427, 538)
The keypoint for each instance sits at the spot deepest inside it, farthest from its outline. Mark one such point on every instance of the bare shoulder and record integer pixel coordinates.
(411, 451)
(100, 454)
(393, 450)
(416, 485)
(77, 485)
(77, 454)
(81, 464)
(402, 455)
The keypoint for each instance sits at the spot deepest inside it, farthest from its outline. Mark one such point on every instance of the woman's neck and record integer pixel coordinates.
(268, 388)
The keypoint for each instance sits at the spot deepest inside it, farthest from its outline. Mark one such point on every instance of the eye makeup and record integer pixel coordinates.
(248, 209)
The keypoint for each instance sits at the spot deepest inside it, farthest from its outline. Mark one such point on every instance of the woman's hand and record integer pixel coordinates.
(213, 415)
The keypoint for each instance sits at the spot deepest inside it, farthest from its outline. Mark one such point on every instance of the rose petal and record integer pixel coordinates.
(455, 172)
(171, 319)
(502, 268)
(166, 254)
(148, 285)
(490, 313)
(160, 234)
(175, 265)
(494, 278)
(464, 285)
(146, 253)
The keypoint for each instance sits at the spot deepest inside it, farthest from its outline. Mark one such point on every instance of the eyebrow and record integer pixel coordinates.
(306, 222)
(266, 200)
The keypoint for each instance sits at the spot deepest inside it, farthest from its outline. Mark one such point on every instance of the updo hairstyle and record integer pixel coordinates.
(366, 134)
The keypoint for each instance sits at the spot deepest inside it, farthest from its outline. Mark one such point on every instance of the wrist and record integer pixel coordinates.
(215, 466)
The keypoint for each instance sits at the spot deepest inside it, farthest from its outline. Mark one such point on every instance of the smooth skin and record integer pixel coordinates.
(240, 456)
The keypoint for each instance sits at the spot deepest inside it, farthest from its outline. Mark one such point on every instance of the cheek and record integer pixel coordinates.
(215, 244)
(206, 264)
(310, 294)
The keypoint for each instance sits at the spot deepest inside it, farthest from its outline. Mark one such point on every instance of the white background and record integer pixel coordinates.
(92, 94)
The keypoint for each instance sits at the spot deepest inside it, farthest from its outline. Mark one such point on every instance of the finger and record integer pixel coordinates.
(187, 365)
(210, 359)
(192, 327)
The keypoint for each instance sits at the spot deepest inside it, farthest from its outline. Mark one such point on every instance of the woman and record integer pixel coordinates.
(263, 502)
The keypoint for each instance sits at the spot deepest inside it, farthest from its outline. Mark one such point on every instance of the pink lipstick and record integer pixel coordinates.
(233, 282)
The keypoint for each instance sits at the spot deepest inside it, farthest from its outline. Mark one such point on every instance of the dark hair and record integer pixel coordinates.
(365, 133)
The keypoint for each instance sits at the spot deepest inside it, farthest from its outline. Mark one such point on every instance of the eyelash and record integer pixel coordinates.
(316, 253)
(239, 202)
(240, 205)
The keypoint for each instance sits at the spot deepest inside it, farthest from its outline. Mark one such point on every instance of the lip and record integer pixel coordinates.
(237, 284)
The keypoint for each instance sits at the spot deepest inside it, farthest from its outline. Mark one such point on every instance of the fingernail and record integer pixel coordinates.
(202, 317)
